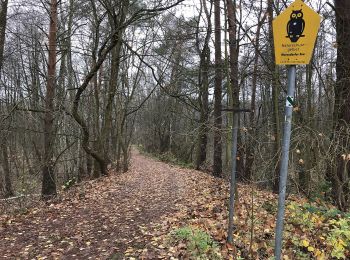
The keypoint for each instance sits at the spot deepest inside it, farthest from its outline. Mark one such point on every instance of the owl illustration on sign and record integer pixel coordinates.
(295, 26)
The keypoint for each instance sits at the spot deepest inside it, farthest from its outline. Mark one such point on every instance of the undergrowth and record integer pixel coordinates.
(199, 244)
(319, 230)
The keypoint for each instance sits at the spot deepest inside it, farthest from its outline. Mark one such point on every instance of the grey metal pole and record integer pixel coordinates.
(233, 176)
(284, 161)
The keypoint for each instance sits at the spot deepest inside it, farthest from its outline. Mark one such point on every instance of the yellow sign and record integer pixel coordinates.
(294, 33)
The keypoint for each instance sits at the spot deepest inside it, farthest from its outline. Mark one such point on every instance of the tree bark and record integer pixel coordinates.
(228, 116)
(234, 83)
(217, 167)
(3, 20)
(304, 173)
(252, 116)
(340, 178)
(48, 181)
(203, 81)
(275, 94)
(113, 82)
(7, 174)
(3, 145)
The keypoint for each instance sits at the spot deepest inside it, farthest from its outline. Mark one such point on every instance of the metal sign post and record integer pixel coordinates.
(295, 32)
(284, 162)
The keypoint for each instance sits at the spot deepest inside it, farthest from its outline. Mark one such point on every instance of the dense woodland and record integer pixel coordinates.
(83, 81)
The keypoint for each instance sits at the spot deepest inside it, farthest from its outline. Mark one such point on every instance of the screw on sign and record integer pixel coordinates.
(294, 32)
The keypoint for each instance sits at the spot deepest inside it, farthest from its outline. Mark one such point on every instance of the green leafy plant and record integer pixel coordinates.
(301, 216)
(199, 244)
(69, 184)
(333, 224)
(301, 247)
(339, 238)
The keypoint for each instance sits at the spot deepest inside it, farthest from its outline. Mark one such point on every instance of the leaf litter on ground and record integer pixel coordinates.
(134, 216)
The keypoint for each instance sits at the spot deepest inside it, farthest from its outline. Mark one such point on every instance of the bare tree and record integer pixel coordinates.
(252, 117)
(203, 82)
(3, 143)
(217, 167)
(275, 95)
(49, 180)
(3, 20)
(341, 175)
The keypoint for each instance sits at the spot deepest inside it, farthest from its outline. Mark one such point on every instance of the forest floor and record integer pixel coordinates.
(160, 211)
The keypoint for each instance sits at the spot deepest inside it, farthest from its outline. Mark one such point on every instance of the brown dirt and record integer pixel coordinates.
(99, 219)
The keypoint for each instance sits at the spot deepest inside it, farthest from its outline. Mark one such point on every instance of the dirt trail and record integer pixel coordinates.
(98, 219)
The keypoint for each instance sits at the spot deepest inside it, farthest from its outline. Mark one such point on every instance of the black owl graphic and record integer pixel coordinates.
(295, 26)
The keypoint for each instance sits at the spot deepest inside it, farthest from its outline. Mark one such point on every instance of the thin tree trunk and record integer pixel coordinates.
(97, 86)
(106, 128)
(3, 20)
(217, 167)
(304, 174)
(234, 84)
(275, 94)
(7, 174)
(48, 182)
(113, 82)
(229, 117)
(204, 116)
(250, 149)
(3, 145)
(203, 82)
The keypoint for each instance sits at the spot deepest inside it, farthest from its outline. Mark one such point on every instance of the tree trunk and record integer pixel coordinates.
(3, 145)
(3, 20)
(340, 178)
(113, 82)
(97, 86)
(7, 174)
(234, 84)
(275, 94)
(203, 82)
(228, 116)
(217, 167)
(107, 123)
(250, 146)
(48, 182)
(304, 173)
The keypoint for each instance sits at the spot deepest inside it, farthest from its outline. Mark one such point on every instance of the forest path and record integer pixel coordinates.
(99, 219)
(132, 216)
